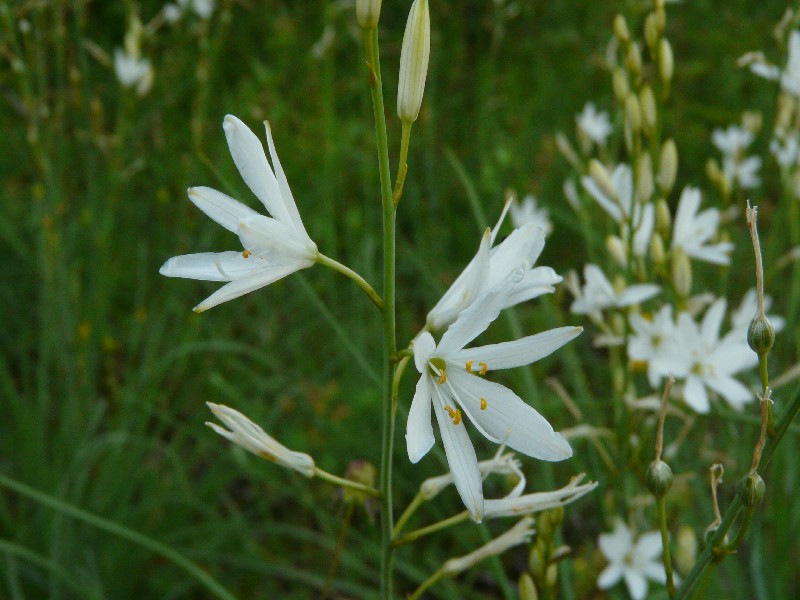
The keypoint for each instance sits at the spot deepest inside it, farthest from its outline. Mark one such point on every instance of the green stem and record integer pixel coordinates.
(402, 168)
(407, 513)
(348, 272)
(426, 584)
(370, 37)
(120, 531)
(718, 538)
(662, 523)
(347, 483)
(438, 526)
(744, 527)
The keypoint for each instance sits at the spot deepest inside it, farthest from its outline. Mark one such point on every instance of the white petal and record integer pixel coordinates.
(506, 418)
(732, 390)
(248, 154)
(474, 319)
(712, 321)
(240, 287)
(423, 347)
(460, 458)
(637, 584)
(649, 545)
(608, 205)
(637, 293)
(516, 251)
(223, 209)
(644, 230)
(283, 185)
(534, 283)
(419, 430)
(616, 544)
(610, 575)
(655, 570)
(524, 351)
(269, 238)
(209, 266)
(695, 394)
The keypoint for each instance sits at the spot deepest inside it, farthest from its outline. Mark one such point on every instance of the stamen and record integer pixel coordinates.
(246, 254)
(469, 365)
(443, 378)
(484, 368)
(457, 418)
(450, 411)
(484, 404)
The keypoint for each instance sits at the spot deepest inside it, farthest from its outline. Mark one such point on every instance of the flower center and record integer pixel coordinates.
(438, 368)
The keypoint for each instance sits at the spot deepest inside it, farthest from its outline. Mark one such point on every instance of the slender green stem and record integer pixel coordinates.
(408, 512)
(120, 531)
(340, 481)
(744, 527)
(438, 526)
(426, 584)
(662, 523)
(348, 272)
(398, 376)
(718, 538)
(370, 37)
(402, 169)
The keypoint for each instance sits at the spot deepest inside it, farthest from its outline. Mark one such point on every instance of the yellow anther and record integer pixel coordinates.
(457, 417)
(443, 378)
(484, 368)
(246, 254)
(469, 365)
(450, 411)
(484, 404)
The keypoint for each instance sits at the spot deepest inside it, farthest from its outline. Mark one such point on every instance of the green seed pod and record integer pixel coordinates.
(658, 478)
(752, 490)
(760, 335)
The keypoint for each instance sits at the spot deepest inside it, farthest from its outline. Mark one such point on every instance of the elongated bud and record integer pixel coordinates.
(663, 218)
(598, 172)
(619, 80)
(651, 31)
(681, 272)
(633, 61)
(527, 589)
(658, 478)
(621, 29)
(368, 12)
(665, 61)
(668, 168)
(616, 249)
(414, 61)
(644, 178)
(760, 335)
(657, 249)
(686, 549)
(566, 149)
(752, 490)
(633, 113)
(647, 100)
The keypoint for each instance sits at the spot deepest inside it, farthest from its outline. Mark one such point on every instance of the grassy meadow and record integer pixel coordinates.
(110, 484)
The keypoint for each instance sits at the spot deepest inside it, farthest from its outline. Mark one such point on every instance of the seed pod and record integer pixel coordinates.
(760, 335)
(751, 489)
(658, 478)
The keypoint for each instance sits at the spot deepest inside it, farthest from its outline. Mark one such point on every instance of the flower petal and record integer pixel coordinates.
(461, 458)
(419, 430)
(524, 351)
(648, 546)
(534, 283)
(260, 278)
(503, 417)
(637, 584)
(283, 185)
(248, 154)
(209, 266)
(732, 390)
(637, 293)
(222, 208)
(712, 321)
(271, 239)
(423, 346)
(610, 575)
(695, 394)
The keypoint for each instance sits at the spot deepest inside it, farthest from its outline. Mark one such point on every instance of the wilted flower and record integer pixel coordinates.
(518, 534)
(243, 432)
(514, 506)
(692, 230)
(452, 380)
(635, 562)
(598, 294)
(274, 247)
(502, 464)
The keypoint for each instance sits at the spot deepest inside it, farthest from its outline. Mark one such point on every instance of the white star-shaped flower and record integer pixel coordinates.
(527, 211)
(692, 230)
(492, 265)
(594, 124)
(790, 76)
(598, 294)
(786, 150)
(624, 208)
(274, 247)
(733, 140)
(451, 381)
(634, 561)
(133, 71)
(654, 342)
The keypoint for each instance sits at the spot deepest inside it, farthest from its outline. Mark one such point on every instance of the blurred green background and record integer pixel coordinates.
(104, 369)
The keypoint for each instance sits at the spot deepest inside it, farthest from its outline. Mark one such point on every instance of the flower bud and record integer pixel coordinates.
(760, 335)
(651, 31)
(752, 490)
(414, 61)
(681, 272)
(566, 149)
(686, 549)
(647, 100)
(527, 589)
(537, 561)
(616, 249)
(367, 13)
(668, 167)
(633, 113)
(633, 61)
(619, 80)
(621, 29)
(598, 172)
(665, 61)
(551, 577)
(657, 254)
(658, 478)
(644, 178)
(663, 217)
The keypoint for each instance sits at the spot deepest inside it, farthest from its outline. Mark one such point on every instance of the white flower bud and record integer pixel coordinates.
(644, 178)
(616, 249)
(598, 172)
(647, 101)
(619, 80)
(663, 217)
(657, 249)
(665, 61)
(621, 28)
(367, 13)
(651, 31)
(668, 167)
(566, 149)
(633, 61)
(414, 61)
(681, 272)
(633, 113)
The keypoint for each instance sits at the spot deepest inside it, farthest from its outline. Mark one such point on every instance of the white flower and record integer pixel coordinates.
(598, 293)
(518, 534)
(491, 266)
(785, 150)
(635, 562)
(691, 230)
(133, 71)
(252, 438)
(623, 207)
(451, 380)
(203, 8)
(514, 506)
(274, 247)
(743, 171)
(790, 76)
(172, 12)
(527, 211)
(654, 342)
(707, 361)
(594, 124)
(733, 140)
(501, 464)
